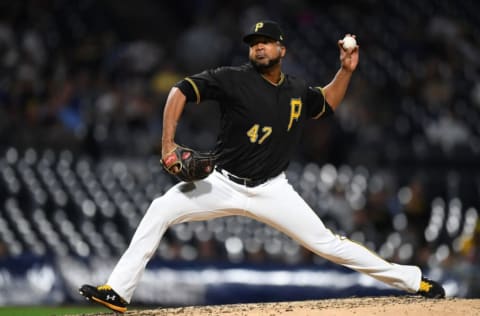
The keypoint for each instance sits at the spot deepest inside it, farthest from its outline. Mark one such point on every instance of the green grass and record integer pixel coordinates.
(50, 310)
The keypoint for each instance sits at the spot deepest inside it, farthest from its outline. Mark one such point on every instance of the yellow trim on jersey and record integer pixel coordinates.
(324, 104)
(282, 79)
(195, 88)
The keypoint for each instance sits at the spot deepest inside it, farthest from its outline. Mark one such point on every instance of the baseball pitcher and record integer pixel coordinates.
(263, 112)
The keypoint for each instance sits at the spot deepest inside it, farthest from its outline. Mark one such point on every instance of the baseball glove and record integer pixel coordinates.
(187, 164)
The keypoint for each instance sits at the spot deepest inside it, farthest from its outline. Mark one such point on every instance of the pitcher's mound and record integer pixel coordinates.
(404, 305)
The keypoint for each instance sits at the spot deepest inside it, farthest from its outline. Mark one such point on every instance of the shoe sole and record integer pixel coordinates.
(114, 308)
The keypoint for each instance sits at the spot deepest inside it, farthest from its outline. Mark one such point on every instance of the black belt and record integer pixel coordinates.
(243, 181)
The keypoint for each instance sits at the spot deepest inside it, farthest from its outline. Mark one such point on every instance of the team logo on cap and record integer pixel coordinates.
(258, 26)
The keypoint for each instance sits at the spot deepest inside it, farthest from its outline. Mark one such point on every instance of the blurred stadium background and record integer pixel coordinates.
(82, 89)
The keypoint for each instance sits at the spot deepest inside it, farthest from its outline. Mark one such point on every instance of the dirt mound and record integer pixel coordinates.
(405, 306)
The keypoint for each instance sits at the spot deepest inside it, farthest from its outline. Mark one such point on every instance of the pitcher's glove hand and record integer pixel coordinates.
(187, 164)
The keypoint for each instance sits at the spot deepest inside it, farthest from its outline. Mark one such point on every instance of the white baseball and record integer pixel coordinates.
(349, 43)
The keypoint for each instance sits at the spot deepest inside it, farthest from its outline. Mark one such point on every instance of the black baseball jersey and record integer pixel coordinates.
(261, 122)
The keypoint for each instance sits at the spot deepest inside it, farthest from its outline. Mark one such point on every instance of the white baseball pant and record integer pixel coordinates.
(275, 203)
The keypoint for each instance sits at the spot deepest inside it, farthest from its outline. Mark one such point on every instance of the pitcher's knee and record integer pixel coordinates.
(326, 243)
(160, 210)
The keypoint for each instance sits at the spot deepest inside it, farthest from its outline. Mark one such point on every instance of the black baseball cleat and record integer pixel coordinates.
(430, 289)
(104, 295)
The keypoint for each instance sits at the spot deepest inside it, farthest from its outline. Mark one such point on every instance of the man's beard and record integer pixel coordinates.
(264, 67)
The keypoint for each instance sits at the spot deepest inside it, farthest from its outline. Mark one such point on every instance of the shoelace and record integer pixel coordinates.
(104, 288)
(425, 286)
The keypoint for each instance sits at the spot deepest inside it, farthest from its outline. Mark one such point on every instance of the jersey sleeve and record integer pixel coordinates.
(318, 106)
(207, 85)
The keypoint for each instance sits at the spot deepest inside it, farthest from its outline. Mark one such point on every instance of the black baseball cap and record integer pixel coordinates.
(265, 28)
